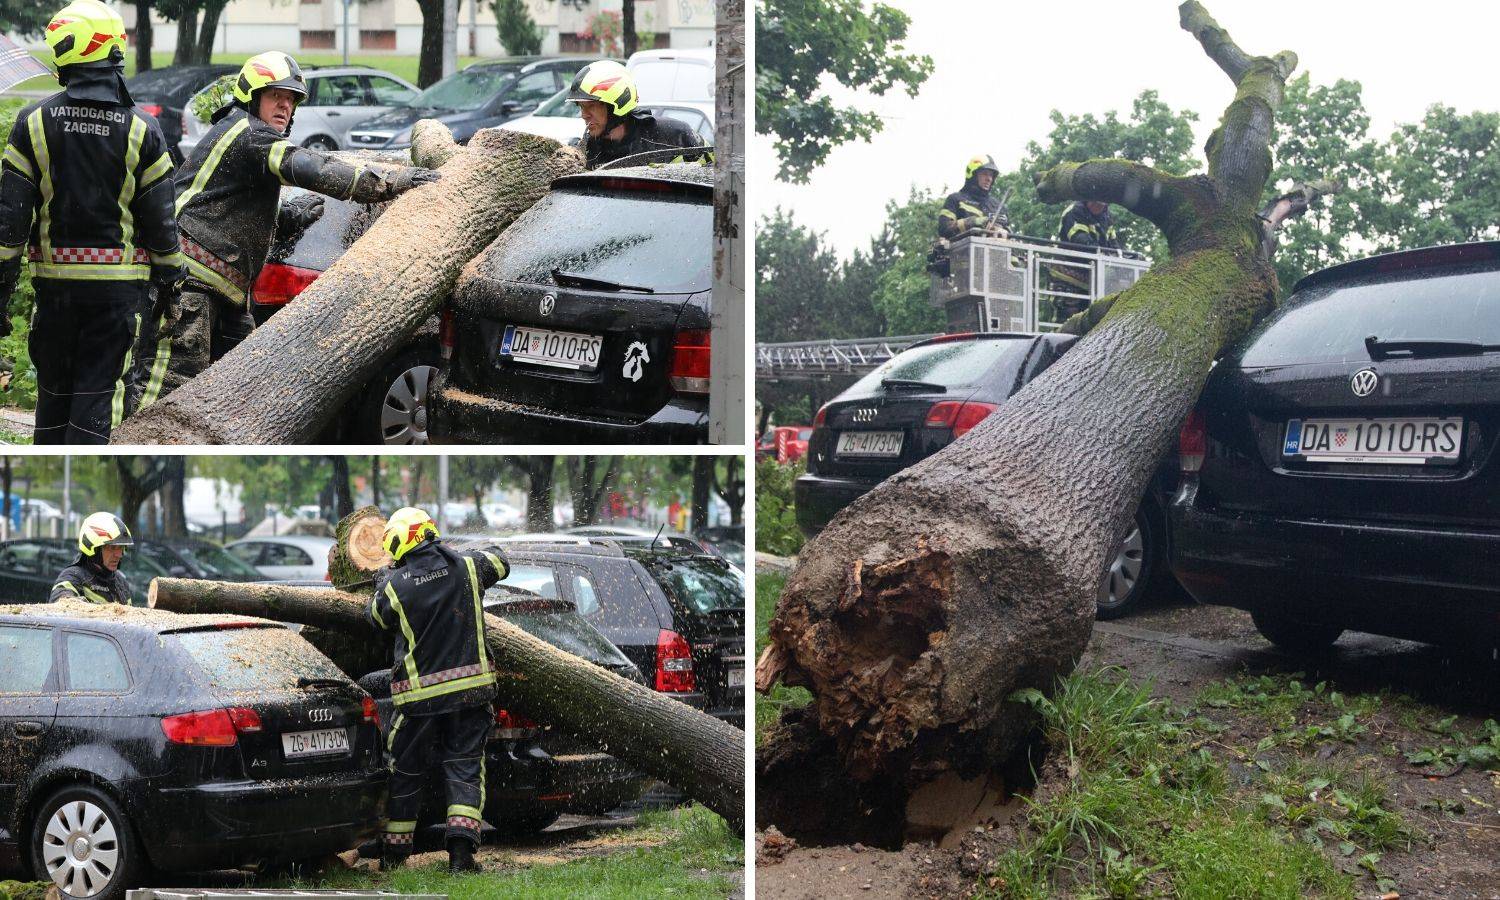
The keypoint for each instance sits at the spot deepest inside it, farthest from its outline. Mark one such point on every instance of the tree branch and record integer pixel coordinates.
(1141, 189)
(1216, 42)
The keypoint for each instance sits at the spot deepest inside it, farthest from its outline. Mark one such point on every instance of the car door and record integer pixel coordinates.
(23, 576)
(336, 104)
(383, 92)
(28, 705)
(92, 710)
(285, 561)
(525, 95)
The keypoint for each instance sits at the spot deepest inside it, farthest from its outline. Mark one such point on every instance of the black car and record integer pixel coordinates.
(165, 92)
(29, 566)
(140, 739)
(481, 96)
(1340, 471)
(924, 399)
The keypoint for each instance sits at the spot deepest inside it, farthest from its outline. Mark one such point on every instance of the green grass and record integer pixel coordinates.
(768, 707)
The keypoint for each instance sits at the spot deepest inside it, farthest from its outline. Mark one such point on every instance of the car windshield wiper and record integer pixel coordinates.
(1379, 349)
(912, 384)
(573, 279)
(304, 682)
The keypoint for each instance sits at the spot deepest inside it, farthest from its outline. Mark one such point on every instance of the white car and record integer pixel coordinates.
(558, 119)
(670, 75)
(287, 558)
(338, 98)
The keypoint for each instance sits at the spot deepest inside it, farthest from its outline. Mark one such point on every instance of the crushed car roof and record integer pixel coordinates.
(156, 620)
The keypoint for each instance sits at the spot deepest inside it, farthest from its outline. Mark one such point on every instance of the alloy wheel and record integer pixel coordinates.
(1124, 575)
(403, 412)
(80, 848)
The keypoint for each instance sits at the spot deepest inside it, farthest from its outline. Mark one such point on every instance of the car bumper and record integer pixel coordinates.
(1417, 582)
(220, 825)
(731, 711)
(818, 498)
(522, 779)
(461, 415)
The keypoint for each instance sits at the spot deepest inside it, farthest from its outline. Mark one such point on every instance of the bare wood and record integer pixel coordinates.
(357, 553)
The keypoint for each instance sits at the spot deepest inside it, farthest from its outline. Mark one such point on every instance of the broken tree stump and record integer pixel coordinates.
(357, 553)
(691, 750)
(924, 605)
(287, 381)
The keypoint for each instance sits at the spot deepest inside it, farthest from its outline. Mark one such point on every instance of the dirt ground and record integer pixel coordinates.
(1181, 647)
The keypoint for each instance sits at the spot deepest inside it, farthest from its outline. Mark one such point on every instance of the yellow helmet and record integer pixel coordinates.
(406, 528)
(86, 31)
(103, 529)
(272, 69)
(607, 82)
(979, 164)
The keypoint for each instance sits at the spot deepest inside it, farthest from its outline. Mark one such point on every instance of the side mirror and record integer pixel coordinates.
(510, 107)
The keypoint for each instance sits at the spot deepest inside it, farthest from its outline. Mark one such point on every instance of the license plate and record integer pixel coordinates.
(736, 677)
(563, 349)
(1416, 441)
(323, 742)
(870, 443)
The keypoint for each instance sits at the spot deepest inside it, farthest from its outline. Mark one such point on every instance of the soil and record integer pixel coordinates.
(1180, 647)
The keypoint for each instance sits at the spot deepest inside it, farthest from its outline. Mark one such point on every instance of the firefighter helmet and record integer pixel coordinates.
(406, 528)
(607, 82)
(103, 529)
(272, 69)
(979, 164)
(86, 32)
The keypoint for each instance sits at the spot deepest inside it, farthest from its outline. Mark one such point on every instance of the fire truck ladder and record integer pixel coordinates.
(816, 360)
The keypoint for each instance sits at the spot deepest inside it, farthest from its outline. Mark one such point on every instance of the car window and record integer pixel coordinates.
(537, 579)
(94, 663)
(286, 555)
(952, 364)
(532, 89)
(389, 92)
(25, 659)
(659, 242)
(584, 595)
(1328, 323)
(256, 659)
(562, 628)
(660, 80)
(215, 563)
(249, 554)
(558, 107)
(22, 558)
(325, 240)
(701, 585)
(338, 90)
(692, 119)
(469, 89)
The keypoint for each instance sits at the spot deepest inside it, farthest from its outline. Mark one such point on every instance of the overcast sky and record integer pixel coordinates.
(1001, 67)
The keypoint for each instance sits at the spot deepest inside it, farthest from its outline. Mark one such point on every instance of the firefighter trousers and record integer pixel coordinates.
(453, 741)
(208, 325)
(81, 337)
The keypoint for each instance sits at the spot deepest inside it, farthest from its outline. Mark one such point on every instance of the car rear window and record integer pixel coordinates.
(561, 627)
(701, 585)
(1328, 323)
(258, 659)
(952, 364)
(325, 240)
(651, 240)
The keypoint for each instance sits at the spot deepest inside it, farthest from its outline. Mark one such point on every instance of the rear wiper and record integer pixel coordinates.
(912, 384)
(304, 682)
(1379, 349)
(573, 279)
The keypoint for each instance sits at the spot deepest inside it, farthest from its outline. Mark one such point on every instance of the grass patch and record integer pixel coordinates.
(768, 707)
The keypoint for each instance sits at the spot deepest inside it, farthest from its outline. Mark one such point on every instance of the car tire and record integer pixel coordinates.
(394, 408)
(321, 142)
(512, 825)
(1293, 635)
(82, 841)
(1130, 569)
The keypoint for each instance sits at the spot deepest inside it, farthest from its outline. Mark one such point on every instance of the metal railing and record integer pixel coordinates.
(818, 359)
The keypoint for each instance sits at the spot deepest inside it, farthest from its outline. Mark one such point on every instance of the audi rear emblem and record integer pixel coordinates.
(1363, 383)
(320, 715)
(548, 301)
(865, 414)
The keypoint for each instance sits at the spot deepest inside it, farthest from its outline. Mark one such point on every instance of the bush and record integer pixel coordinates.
(22, 391)
(776, 529)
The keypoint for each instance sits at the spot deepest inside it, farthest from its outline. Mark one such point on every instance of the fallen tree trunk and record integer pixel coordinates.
(700, 755)
(285, 382)
(357, 554)
(917, 613)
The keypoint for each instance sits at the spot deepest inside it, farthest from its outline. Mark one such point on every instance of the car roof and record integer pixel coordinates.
(297, 540)
(693, 53)
(114, 615)
(692, 174)
(1405, 262)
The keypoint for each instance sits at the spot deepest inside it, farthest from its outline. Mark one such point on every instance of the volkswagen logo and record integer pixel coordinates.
(548, 301)
(1363, 383)
(865, 414)
(320, 715)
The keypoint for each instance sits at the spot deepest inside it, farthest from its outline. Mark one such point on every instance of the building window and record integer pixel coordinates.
(377, 39)
(321, 39)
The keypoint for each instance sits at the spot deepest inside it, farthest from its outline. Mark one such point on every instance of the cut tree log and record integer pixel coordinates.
(691, 750)
(286, 381)
(357, 553)
(924, 605)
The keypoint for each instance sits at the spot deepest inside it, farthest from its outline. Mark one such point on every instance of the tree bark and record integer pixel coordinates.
(134, 489)
(143, 36)
(333, 337)
(697, 753)
(627, 27)
(187, 38)
(343, 499)
(703, 477)
(922, 607)
(172, 491)
(430, 55)
(540, 487)
(203, 52)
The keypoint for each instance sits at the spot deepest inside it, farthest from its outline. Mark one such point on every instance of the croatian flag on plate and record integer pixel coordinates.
(16, 65)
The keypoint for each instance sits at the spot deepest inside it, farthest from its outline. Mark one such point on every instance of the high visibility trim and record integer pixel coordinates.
(214, 280)
(127, 186)
(400, 826)
(483, 657)
(211, 163)
(19, 162)
(457, 673)
(482, 779)
(44, 164)
(83, 593)
(103, 256)
(10, 252)
(468, 812)
(1086, 229)
(156, 171)
(969, 206)
(947, 214)
(65, 584)
(375, 612)
(390, 739)
(175, 258)
(273, 161)
(500, 567)
(447, 687)
(97, 272)
(354, 181)
(158, 367)
(117, 403)
(412, 674)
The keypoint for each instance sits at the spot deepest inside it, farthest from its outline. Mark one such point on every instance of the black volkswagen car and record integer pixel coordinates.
(165, 92)
(138, 738)
(1340, 468)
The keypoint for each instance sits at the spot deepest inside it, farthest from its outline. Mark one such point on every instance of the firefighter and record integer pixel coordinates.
(228, 196)
(974, 206)
(95, 575)
(442, 683)
(607, 98)
(1086, 223)
(86, 190)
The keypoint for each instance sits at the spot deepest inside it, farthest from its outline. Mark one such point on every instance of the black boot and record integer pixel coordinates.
(461, 857)
(390, 862)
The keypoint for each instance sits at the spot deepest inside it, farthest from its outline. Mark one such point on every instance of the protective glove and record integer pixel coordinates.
(297, 215)
(166, 288)
(395, 184)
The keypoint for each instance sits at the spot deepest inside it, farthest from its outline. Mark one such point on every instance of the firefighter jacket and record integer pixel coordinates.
(643, 132)
(966, 203)
(87, 580)
(86, 187)
(431, 603)
(229, 190)
(1079, 226)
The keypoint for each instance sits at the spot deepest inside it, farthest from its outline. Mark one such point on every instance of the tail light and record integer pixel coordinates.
(1192, 443)
(278, 283)
(370, 711)
(821, 417)
(504, 718)
(690, 355)
(959, 415)
(674, 663)
(153, 109)
(211, 728)
(447, 334)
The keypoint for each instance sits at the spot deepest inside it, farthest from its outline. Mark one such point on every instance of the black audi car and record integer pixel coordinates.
(137, 739)
(165, 92)
(1340, 469)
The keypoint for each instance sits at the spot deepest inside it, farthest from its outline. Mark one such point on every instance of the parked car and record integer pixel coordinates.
(293, 556)
(142, 739)
(29, 568)
(674, 74)
(338, 98)
(1339, 471)
(644, 537)
(165, 93)
(924, 399)
(784, 443)
(560, 120)
(728, 540)
(192, 558)
(482, 96)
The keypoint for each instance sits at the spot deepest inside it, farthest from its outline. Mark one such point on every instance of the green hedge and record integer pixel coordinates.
(775, 520)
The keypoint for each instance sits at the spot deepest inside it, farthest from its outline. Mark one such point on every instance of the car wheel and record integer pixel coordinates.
(1293, 635)
(1130, 570)
(321, 142)
(394, 409)
(83, 843)
(512, 825)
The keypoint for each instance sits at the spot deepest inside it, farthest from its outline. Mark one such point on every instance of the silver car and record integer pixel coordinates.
(338, 97)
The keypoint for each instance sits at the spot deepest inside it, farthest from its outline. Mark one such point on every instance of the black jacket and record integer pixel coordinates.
(87, 580)
(966, 202)
(229, 190)
(1079, 226)
(431, 602)
(86, 187)
(643, 132)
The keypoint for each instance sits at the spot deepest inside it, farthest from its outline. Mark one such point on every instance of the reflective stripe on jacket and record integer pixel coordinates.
(87, 580)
